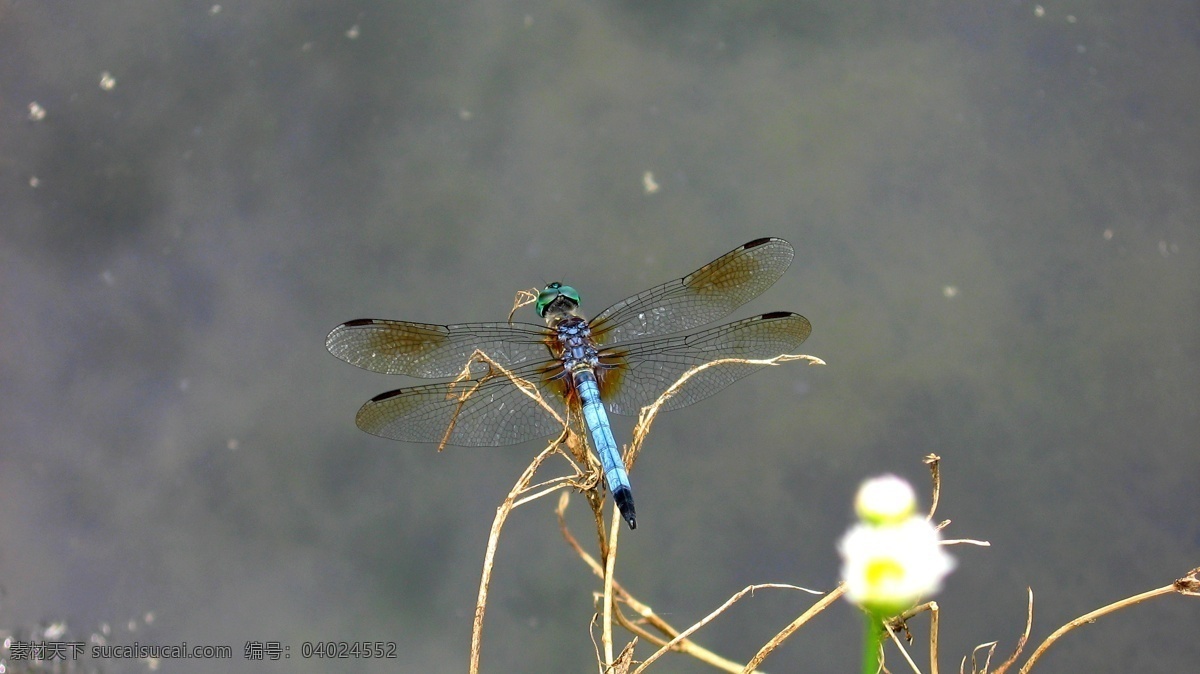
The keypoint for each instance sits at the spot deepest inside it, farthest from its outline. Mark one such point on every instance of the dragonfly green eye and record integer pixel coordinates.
(553, 292)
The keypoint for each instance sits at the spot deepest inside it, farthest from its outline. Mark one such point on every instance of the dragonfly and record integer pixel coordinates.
(620, 361)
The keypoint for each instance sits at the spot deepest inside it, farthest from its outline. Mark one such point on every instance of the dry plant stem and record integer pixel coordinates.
(1012, 659)
(597, 505)
(545, 488)
(987, 662)
(462, 400)
(682, 636)
(608, 544)
(526, 387)
(965, 541)
(685, 647)
(934, 620)
(494, 540)
(689, 647)
(619, 593)
(899, 621)
(505, 508)
(578, 445)
(903, 651)
(1091, 617)
(495, 370)
(935, 472)
(610, 564)
(646, 416)
(796, 624)
(596, 646)
(522, 298)
(637, 629)
(624, 660)
(991, 646)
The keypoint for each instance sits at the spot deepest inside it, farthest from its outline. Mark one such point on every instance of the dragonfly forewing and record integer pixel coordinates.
(430, 351)
(707, 294)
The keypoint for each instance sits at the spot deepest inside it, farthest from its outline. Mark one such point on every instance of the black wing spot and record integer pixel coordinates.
(384, 396)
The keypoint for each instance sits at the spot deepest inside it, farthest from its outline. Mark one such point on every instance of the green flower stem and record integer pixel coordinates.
(872, 638)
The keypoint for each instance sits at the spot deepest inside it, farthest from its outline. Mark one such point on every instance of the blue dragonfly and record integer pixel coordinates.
(618, 362)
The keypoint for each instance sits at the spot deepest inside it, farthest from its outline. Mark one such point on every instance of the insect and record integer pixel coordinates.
(618, 362)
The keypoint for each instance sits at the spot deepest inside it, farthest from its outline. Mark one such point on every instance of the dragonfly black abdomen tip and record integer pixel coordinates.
(624, 500)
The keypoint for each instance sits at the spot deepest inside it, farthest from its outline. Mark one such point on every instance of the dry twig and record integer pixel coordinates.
(520, 494)
(678, 640)
(1188, 585)
(1012, 659)
(793, 626)
(510, 501)
(647, 415)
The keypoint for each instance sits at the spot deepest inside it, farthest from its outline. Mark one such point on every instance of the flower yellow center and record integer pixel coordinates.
(883, 572)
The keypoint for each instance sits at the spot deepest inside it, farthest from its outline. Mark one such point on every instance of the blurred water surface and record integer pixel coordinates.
(994, 207)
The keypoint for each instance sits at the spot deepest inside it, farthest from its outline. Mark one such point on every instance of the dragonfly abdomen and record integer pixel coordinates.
(596, 419)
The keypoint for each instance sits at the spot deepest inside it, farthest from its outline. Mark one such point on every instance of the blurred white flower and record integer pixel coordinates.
(893, 558)
(885, 499)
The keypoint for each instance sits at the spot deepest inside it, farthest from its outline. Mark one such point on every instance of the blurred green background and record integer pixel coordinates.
(994, 207)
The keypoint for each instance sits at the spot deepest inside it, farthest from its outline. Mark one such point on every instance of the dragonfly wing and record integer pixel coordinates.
(495, 414)
(641, 371)
(430, 351)
(707, 294)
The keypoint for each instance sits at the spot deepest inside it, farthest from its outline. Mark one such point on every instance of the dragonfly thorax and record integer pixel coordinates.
(576, 346)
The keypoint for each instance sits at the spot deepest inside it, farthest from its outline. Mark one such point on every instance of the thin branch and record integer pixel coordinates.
(648, 413)
(612, 590)
(1180, 586)
(991, 646)
(966, 541)
(520, 494)
(1012, 659)
(934, 620)
(558, 484)
(620, 594)
(519, 488)
(522, 298)
(987, 662)
(796, 624)
(935, 473)
(595, 646)
(682, 636)
(610, 565)
(637, 630)
(624, 660)
(490, 555)
(903, 651)
(901, 622)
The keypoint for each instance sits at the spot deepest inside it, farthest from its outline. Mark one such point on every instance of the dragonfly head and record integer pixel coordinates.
(557, 298)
